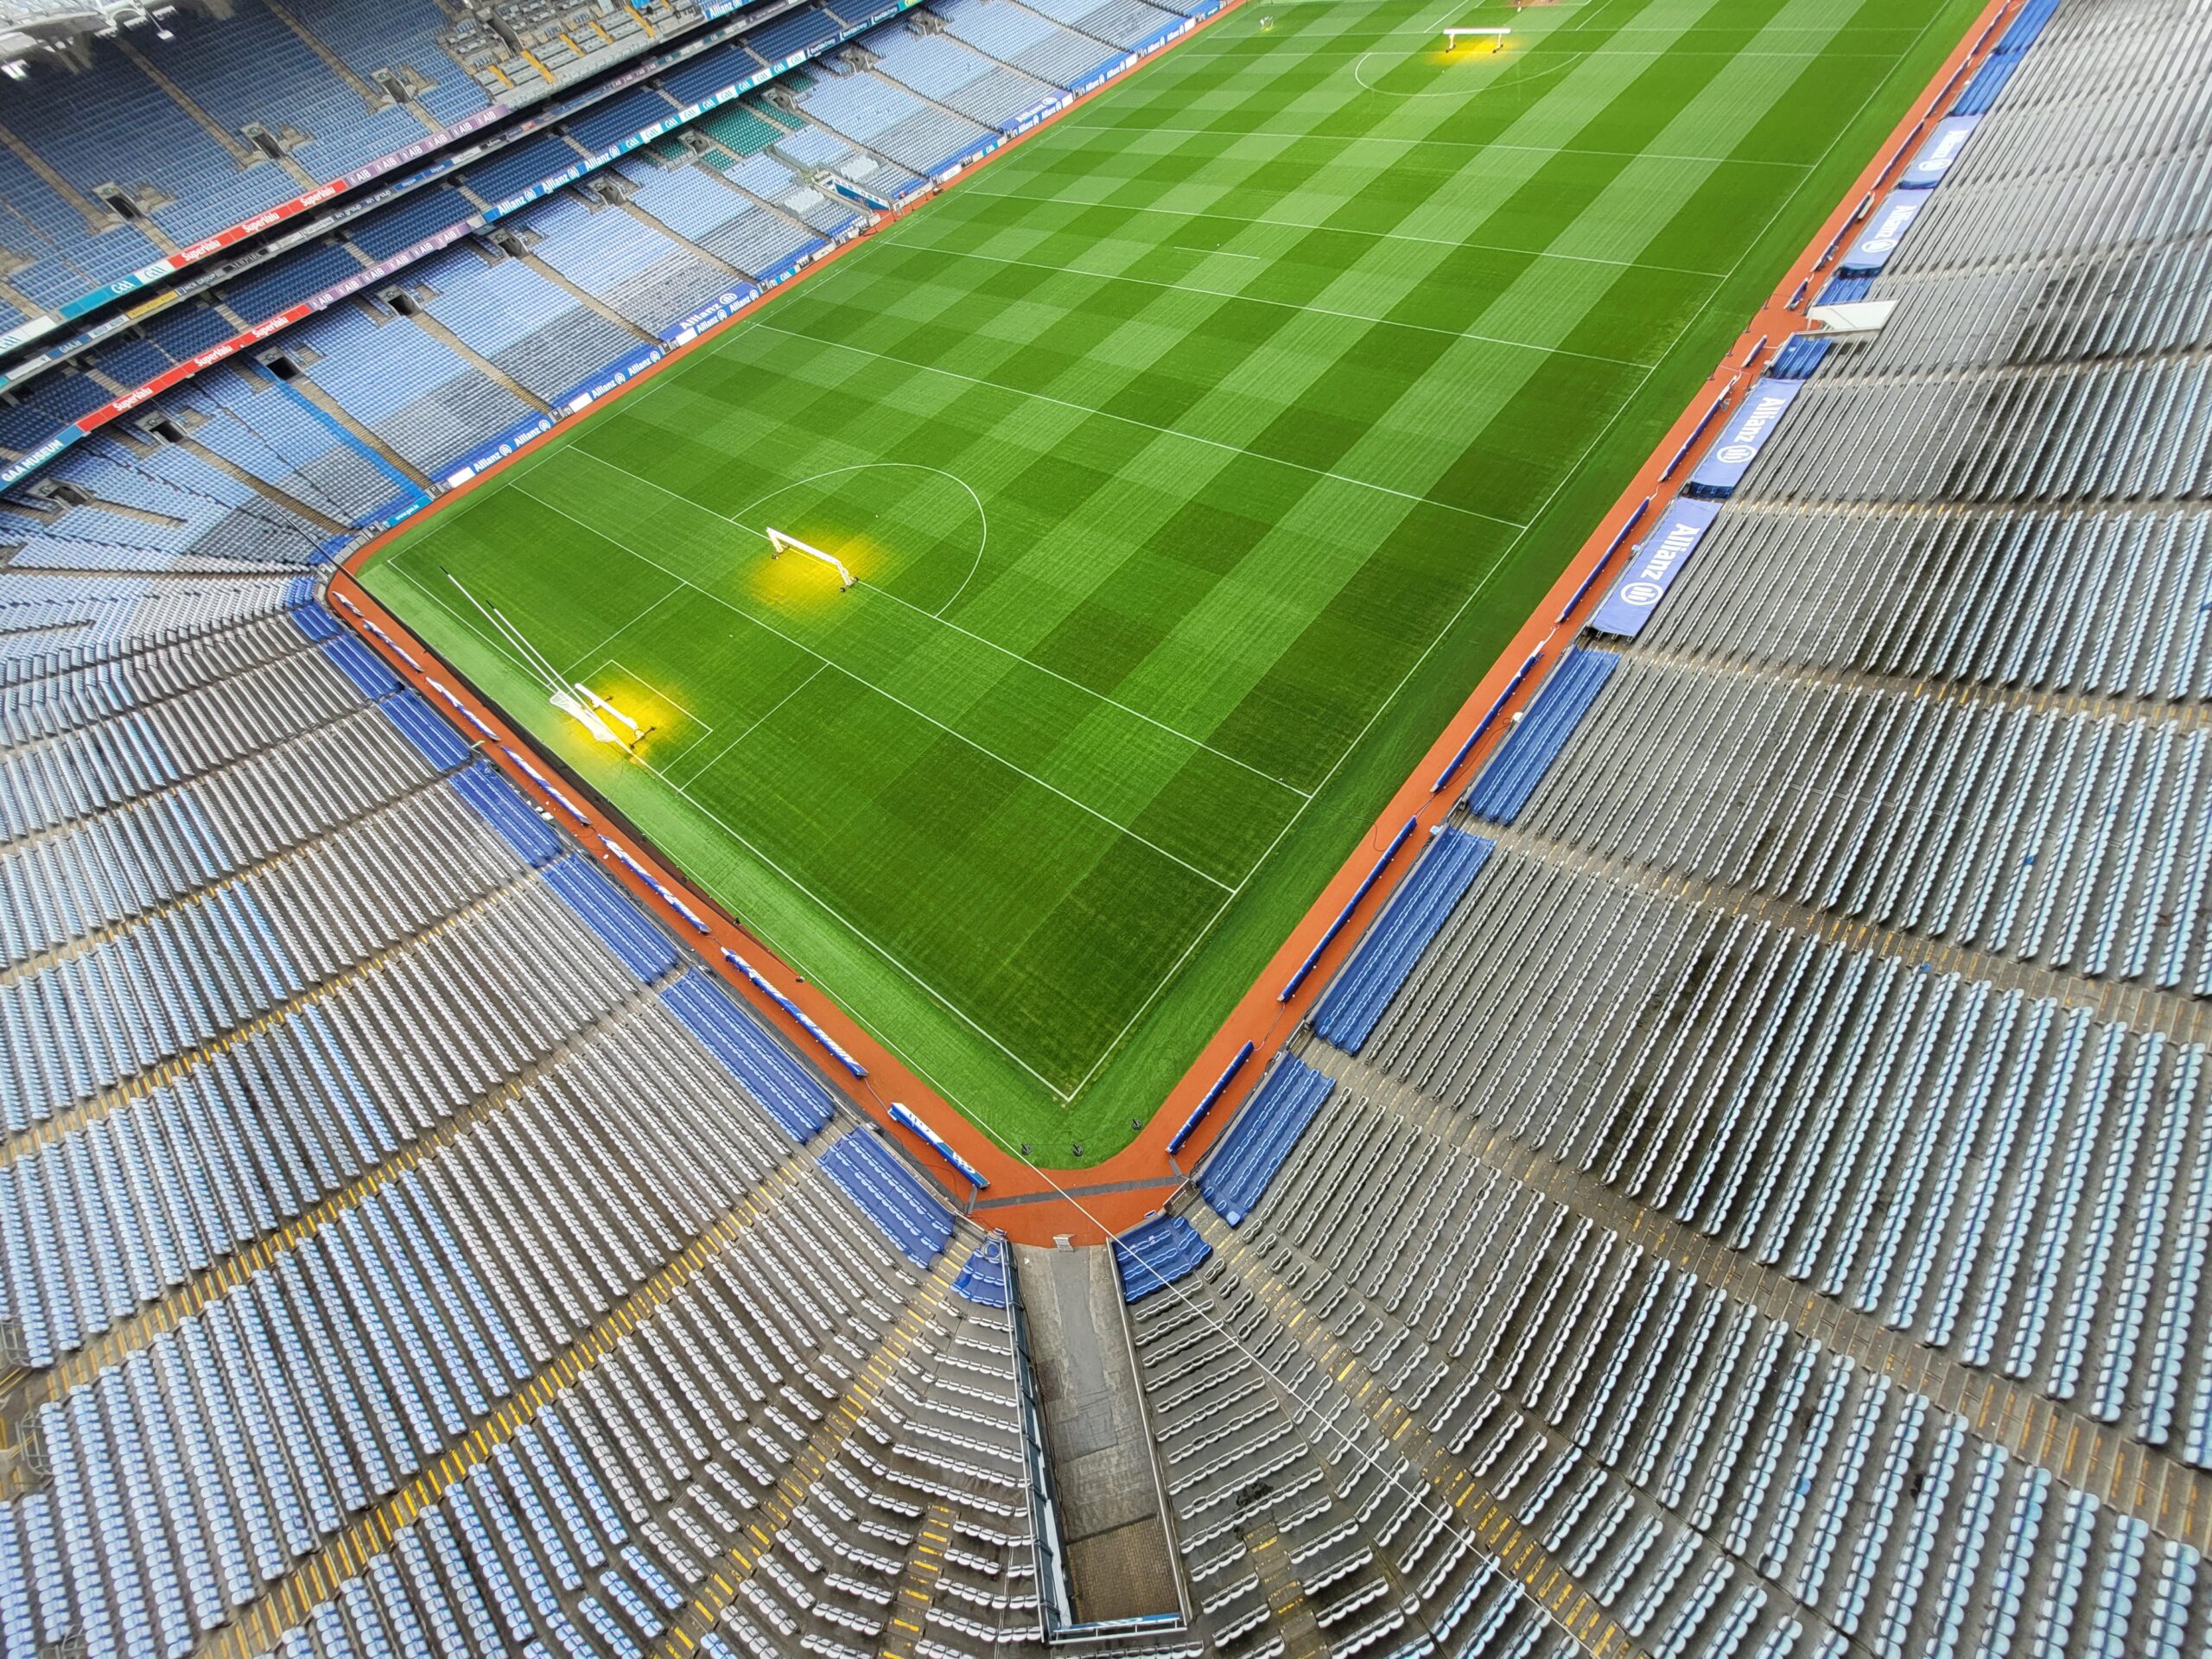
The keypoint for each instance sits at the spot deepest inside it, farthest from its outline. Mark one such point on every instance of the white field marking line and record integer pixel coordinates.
(831, 911)
(1509, 80)
(1346, 230)
(1470, 144)
(1111, 702)
(1210, 253)
(1797, 55)
(706, 727)
(781, 874)
(950, 731)
(1005, 650)
(588, 656)
(1588, 449)
(982, 517)
(656, 691)
(708, 765)
(1131, 420)
(1280, 305)
(499, 647)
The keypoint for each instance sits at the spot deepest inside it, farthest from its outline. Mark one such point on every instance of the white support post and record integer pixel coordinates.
(777, 541)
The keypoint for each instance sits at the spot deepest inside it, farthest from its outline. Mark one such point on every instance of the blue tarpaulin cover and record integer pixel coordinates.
(1659, 559)
(1944, 147)
(1884, 231)
(1740, 440)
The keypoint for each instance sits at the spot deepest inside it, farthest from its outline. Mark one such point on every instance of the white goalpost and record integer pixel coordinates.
(1496, 36)
(777, 541)
(572, 698)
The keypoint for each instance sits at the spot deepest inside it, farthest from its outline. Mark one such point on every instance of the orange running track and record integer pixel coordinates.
(1035, 1205)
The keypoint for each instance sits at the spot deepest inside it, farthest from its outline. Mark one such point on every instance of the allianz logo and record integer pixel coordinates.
(1651, 580)
(1891, 226)
(1757, 421)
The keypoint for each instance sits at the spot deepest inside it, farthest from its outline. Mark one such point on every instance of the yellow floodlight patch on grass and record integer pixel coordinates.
(642, 718)
(779, 544)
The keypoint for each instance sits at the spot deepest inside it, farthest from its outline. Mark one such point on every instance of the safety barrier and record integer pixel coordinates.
(368, 276)
(1497, 705)
(907, 1119)
(759, 982)
(1199, 1112)
(1329, 935)
(1942, 149)
(1884, 233)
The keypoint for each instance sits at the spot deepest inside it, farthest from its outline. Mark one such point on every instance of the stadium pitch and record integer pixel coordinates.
(1191, 461)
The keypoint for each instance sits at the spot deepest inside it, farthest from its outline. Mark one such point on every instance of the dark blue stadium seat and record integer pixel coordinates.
(1153, 1256)
(1512, 774)
(1267, 1127)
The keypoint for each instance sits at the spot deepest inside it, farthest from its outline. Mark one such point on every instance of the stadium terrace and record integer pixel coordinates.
(936, 828)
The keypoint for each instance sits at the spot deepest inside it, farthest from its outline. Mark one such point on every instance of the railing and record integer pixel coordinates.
(1055, 1586)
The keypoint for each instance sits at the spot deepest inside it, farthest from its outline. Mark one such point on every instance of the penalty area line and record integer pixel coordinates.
(751, 726)
(784, 875)
(846, 922)
(953, 732)
(876, 591)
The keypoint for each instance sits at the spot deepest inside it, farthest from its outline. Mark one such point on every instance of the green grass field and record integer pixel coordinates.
(1196, 458)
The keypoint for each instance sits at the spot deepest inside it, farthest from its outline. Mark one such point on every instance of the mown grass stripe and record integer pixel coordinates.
(1285, 397)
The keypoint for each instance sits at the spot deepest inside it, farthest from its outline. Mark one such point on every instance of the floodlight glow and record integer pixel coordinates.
(1495, 35)
(587, 717)
(605, 706)
(777, 541)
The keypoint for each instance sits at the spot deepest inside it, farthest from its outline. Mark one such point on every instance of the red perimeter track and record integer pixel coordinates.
(1032, 1205)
